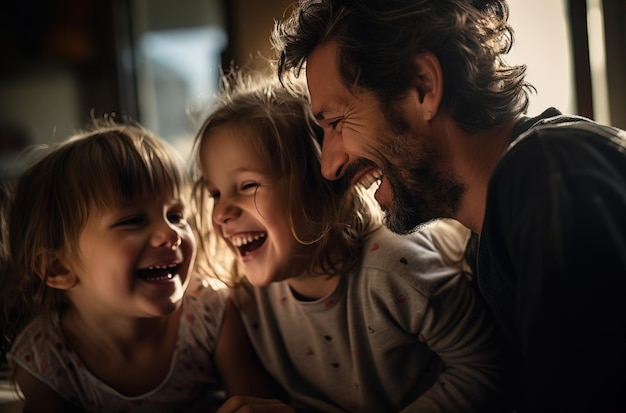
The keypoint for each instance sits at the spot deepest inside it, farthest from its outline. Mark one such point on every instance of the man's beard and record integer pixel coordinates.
(421, 191)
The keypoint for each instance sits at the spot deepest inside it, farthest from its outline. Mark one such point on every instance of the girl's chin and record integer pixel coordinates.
(259, 281)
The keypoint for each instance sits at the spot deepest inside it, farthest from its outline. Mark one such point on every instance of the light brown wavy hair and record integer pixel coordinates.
(336, 215)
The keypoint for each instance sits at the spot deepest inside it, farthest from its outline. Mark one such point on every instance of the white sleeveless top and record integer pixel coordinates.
(191, 384)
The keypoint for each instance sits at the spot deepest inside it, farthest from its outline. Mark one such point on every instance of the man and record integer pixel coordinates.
(416, 94)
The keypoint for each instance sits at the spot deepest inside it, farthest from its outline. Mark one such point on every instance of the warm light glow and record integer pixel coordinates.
(542, 43)
(597, 58)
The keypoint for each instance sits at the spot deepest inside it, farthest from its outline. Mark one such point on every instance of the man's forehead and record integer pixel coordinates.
(323, 79)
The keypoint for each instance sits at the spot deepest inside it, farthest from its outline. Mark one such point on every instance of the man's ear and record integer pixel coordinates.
(428, 82)
(51, 269)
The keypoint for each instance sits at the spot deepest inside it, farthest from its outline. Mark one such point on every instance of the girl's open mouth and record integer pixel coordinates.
(248, 242)
(158, 273)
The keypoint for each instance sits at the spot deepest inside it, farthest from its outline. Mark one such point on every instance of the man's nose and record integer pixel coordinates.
(334, 158)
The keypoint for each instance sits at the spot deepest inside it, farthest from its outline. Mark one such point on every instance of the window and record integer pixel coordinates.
(177, 52)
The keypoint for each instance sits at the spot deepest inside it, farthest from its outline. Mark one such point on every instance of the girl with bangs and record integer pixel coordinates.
(345, 315)
(105, 312)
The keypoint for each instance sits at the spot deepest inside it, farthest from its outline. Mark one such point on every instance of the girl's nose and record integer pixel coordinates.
(166, 236)
(224, 212)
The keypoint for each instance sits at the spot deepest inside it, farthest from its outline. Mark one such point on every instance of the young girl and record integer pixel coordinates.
(344, 314)
(102, 253)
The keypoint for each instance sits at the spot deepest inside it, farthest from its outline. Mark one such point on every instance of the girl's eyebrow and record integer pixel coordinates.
(261, 170)
(241, 170)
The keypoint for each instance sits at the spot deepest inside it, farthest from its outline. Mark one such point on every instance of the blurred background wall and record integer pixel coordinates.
(158, 61)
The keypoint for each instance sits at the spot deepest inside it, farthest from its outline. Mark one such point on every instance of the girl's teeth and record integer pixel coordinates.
(161, 267)
(160, 278)
(240, 240)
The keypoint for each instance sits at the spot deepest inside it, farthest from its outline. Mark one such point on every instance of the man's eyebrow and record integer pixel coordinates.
(320, 115)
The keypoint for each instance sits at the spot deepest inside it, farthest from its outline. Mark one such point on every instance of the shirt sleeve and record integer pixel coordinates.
(42, 351)
(456, 326)
(450, 239)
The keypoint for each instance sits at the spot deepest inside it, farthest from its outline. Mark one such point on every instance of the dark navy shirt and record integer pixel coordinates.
(552, 262)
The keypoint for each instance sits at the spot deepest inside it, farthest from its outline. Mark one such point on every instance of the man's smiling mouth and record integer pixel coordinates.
(246, 243)
(362, 172)
(369, 178)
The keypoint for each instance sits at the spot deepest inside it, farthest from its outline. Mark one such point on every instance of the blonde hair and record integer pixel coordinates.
(106, 165)
(336, 215)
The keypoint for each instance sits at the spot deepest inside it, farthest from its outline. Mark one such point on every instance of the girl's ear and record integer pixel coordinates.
(428, 82)
(53, 272)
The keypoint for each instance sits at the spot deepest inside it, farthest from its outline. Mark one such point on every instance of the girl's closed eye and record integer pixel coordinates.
(130, 221)
(249, 186)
